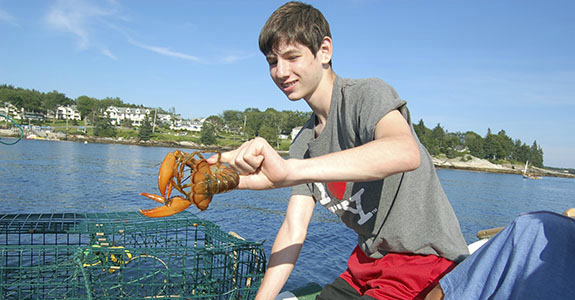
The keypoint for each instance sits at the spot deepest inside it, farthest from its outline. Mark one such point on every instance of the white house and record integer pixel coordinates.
(164, 118)
(69, 112)
(11, 111)
(189, 125)
(119, 114)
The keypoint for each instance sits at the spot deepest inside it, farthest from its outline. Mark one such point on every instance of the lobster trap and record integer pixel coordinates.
(124, 256)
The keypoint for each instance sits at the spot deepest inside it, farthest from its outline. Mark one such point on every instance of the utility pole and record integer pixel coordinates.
(154, 125)
(244, 128)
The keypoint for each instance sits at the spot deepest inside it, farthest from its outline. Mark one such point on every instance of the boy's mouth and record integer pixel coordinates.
(286, 86)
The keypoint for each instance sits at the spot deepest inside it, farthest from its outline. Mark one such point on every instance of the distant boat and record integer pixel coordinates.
(34, 137)
(526, 173)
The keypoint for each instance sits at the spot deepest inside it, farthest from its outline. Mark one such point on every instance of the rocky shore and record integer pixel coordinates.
(469, 163)
(472, 163)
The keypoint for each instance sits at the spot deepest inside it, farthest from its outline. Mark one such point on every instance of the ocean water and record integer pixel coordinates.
(54, 177)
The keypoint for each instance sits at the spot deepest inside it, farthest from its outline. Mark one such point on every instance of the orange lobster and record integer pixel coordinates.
(205, 180)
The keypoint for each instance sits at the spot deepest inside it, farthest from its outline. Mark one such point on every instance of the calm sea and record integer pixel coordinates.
(52, 177)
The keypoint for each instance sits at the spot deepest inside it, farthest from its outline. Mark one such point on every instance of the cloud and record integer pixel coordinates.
(109, 54)
(165, 51)
(91, 22)
(78, 17)
(234, 58)
(168, 52)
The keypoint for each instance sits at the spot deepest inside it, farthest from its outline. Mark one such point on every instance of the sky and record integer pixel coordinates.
(466, 65)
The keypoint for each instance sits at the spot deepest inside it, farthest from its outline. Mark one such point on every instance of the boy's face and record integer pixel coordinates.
(295, 70)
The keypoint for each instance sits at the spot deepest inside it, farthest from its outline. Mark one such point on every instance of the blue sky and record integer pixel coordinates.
(468, 65)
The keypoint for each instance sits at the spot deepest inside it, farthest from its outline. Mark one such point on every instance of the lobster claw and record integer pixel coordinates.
(171, 206)
(166, 173)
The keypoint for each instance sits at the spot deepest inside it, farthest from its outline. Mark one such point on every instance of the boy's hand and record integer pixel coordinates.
(259, 165)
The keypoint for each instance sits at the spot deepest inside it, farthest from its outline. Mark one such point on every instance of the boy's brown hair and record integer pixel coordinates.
(294, 22)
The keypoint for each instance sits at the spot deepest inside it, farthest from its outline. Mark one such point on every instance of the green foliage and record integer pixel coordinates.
(268, 124)
(216, 122)
(128, 123)
(32, 100)
(51, 100)
(494, 146)
(292, 119)
(233, 119)
(474, 143)
(208, 134)
(103, 128)
(252, 121)
(269, 133)
(88, 107)
(145, 132)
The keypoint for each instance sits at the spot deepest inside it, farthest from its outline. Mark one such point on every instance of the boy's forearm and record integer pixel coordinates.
(285, 252)
(372, 161)
(276, 276)
(287, 246)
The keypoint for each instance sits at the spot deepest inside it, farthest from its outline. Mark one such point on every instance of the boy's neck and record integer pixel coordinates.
(320, 101)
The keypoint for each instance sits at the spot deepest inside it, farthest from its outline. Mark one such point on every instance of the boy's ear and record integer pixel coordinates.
(326, 50)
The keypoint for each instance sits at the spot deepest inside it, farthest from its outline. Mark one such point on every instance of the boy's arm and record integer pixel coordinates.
(287, 246)
(394, 150)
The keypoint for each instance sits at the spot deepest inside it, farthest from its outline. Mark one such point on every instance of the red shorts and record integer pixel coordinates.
(396, 275)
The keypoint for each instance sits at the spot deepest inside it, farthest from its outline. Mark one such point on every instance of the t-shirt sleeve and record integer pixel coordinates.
(376, 99)
(298, 150)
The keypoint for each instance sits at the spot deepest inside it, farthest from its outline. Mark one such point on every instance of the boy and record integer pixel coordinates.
(359, 157)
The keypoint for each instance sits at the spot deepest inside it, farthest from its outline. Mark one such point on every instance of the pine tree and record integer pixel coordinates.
(208, 134)
(145, 133)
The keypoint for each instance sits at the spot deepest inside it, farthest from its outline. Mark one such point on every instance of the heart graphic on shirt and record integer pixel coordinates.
(337, 189)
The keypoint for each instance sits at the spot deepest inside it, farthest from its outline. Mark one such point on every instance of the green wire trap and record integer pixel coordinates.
(124, 256)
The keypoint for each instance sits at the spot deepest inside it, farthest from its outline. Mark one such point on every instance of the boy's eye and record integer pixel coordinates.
(272, 61)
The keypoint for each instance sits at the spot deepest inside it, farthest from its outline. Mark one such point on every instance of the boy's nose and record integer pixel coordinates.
(282, 69)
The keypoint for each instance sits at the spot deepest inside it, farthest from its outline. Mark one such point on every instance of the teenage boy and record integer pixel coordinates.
(358, 156)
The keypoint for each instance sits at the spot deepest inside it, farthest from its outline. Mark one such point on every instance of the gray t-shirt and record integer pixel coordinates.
(407, 212)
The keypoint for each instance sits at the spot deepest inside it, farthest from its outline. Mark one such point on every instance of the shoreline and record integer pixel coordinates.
(470, 164)
(483, 165)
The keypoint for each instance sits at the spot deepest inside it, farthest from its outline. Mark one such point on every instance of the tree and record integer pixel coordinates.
(53, 99)
(145, 132)
(233, 119)
(103, 127)
(506, 145)
(293, 119)
(492, 147)
(270, 133)
(520, 151)
(254, 120)
(88, 107)
(109, 101)
(474, 142)
(434, 141)
(128, 123)
(536, 155)
(208, 134)
(217, 122)
(449, 145)
(423, 133)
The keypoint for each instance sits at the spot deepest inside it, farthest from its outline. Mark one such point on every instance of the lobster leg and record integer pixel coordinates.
(172, 206)
(154, 197)
(166, 173)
